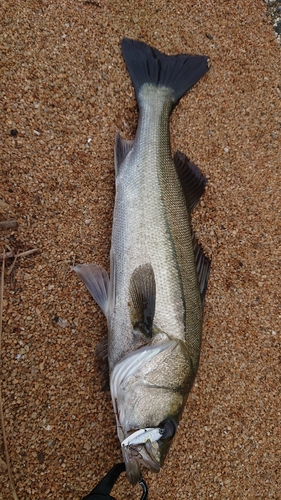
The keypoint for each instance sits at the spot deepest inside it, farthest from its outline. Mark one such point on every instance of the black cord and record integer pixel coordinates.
(144, 489)
(104, 487)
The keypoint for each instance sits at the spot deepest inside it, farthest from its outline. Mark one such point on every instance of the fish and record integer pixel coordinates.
(154, 298)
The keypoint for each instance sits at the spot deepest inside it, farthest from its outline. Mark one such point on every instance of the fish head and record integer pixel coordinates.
(148, 448)
(149, 389)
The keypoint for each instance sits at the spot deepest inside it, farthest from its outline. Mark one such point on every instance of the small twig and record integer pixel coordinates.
(9, 248)
(12, 265)
(12, 485)
(28, 252)
(5, 224)
(10, 255)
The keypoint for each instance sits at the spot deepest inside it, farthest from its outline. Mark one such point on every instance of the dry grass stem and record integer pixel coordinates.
(7, 224)
(2, 463)
(11, 254)
(7, 255)
(10, 270)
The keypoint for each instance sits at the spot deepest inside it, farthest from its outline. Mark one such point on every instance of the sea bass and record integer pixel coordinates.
(154, 298)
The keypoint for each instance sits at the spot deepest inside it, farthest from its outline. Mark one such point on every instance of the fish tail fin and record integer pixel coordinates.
(147, 65)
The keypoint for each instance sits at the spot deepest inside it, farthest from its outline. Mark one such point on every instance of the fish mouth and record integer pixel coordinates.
(135, 456)
(147, 447)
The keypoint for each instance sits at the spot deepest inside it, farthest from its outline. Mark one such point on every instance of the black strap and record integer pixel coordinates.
(144, 489)
(104, 487)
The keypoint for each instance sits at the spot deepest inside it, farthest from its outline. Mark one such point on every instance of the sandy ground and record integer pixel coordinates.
(65, 93)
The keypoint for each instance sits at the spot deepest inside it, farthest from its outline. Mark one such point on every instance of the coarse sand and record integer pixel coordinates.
(65, 92)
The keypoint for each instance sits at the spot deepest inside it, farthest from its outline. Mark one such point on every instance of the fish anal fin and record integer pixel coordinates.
(203, 264)
(122, 148)
(142, 299)
(192, 180)
(102, 348)
(96, 280)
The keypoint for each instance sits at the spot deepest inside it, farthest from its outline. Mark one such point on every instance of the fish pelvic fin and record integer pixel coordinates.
(101, 349)
(147, 65)
(143, 297)
(122, 148)
(96, 280)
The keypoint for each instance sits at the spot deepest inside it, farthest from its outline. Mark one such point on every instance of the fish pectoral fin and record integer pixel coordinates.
(203, 264)
(96, 280)
(192, 180)
(143, 296)
(122, 148)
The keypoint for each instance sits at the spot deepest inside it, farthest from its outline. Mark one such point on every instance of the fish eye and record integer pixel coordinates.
(168, 429)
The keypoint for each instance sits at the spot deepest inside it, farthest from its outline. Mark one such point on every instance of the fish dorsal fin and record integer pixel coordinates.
(192, 180)
(96, 280)
(193, 185)
(143, 296)
(122, 148)
(203, 265)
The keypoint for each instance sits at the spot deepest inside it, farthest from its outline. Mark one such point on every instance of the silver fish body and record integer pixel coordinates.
(158, 272)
